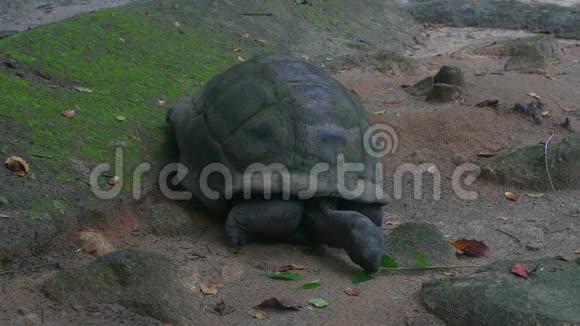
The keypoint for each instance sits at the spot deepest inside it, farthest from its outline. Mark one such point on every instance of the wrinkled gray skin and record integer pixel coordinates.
(279, 109)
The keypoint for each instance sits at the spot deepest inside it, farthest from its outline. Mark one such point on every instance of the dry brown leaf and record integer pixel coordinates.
(569, 109)
(511, 196)
(450, 273)
(291, 267)
(534, 95)
(68, 113)
(114, 180)
(162, 103)
(177, 24)
(261, 41)
(474, 248)
(245, 34)
(439, 25)
(17, 165)
(241, 59)
(237, 49)
(120, 118)
(354, 292)
(501, 218)
(208, 288)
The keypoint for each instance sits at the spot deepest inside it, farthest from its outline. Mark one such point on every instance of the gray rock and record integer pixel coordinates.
(444, 93)
(525, 166)
(495, 296)
(411, 238)
(169, 220)
(451, 75)
(458, 159)
(422, 87)
(145, 283)
(21, 232)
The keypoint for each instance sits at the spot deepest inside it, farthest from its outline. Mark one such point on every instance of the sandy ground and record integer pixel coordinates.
(18, 15)
(533, 227)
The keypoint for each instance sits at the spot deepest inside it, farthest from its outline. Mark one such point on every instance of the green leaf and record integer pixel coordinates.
(318, 303)
(421, 259)
(311, 284)
(362, 277)
(285, 276)
(388, 262)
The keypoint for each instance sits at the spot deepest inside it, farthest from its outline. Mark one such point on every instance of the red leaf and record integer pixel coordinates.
(520, 270)
(473, 248)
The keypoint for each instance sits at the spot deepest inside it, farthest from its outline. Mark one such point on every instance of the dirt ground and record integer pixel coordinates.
(533, 227)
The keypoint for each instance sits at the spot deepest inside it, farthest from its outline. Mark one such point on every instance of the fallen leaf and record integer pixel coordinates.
(535, 195)
(285, 276)
(379, 112)
(305, 57)
(562, 258)
(237, 50)
(120, 118)
(569, 109)
(113, 181)
(311, 285)
(261, 41)
(361, 277)
(520, 270)
(17, 165)
(353, 292)
(53, 86)
(550, 77)
(449, 273)
(534, 95)
(390, 104)
(391, 223)
(241, 59)
(276, 303)
(258, 314)
(83, 89)
(439, 25)
(68, 113)
(177, 24)
(161, 103)
(511, 196)
(318, 303)
(502, 218)
(388, 262)
(545, 114)
(473, 248)
(285, 268)
(245, 34)
(577, 252)
(208, 288)
(421, 259)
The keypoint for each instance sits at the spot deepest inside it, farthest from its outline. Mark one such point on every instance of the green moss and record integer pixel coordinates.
(129, 60)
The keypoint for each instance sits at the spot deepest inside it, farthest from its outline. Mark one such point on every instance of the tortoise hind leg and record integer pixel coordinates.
(272, 218)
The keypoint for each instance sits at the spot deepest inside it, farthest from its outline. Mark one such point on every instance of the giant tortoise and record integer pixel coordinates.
(271, 143)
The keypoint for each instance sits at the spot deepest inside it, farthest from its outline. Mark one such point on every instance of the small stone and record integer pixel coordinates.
(451, 75)
(444, 93)
(421, 88)
(458, 159)
(94, 243)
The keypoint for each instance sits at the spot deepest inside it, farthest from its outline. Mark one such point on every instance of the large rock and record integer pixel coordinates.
(20, 232)
(451, 75)
(411, 238)
(525, 167)
(422, 87)
(495, 296)
(146, 283)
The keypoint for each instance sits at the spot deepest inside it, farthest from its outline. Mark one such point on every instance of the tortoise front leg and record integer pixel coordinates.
(272, 218)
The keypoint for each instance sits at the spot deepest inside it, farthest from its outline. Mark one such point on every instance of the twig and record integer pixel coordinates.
(509, 235)
(85, 181)
(427, 268)
(42, 155)
(256, 14)
(548, 168)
